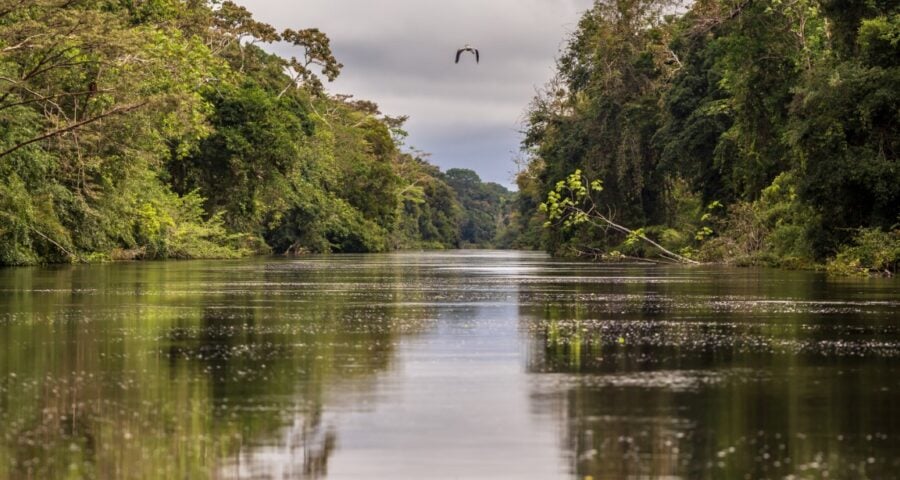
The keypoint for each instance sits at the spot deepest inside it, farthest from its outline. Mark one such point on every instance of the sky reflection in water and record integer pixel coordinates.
(445, 365)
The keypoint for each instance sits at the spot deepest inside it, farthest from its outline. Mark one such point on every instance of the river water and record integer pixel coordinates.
(483, 364)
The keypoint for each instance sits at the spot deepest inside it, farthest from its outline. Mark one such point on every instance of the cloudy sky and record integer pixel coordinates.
(399, 53)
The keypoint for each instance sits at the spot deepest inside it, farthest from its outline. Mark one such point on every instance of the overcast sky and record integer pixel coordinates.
(399, 54)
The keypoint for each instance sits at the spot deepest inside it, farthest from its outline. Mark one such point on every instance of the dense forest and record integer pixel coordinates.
(736, 131)
(160, 129)
(739, 131)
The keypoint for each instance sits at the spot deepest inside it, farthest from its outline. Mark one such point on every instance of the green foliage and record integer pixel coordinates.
(573, 203)
(781, 117)
(776, 229)
(873, 251)
(175, 228)
(160, 129)
(252, 146)
(482, 204)
(879, 40)
(428, 212)
(846, 133)
(599, 115)
(90, 103)
(565, 203)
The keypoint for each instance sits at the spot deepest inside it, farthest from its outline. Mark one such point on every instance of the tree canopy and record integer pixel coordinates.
(737, 130)
(161, 129)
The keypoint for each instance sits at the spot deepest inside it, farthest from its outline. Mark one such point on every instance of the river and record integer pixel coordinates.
(470, 364)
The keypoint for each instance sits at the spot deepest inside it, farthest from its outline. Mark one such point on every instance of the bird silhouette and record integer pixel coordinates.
(470, 49)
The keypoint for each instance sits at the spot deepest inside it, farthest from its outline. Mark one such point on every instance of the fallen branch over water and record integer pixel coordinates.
(63, 249)
(572, 203)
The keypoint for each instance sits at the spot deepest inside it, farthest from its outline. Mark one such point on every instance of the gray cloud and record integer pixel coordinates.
(399, 53)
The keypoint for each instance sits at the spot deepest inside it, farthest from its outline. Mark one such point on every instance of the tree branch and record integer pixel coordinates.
(66, 94)
(42, 235)
(60, 131)
(22, 43)
(592, 213)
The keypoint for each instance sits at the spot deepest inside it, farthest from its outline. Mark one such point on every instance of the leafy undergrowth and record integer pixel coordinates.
(874, 252)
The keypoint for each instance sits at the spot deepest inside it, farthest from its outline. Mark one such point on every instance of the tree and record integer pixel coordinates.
(482, 203)
(782, 113)
(572, 203)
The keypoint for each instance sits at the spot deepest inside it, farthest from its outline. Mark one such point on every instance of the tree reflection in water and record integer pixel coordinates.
(183, 370)
(718, 379)
(302, 452)
(281, 368)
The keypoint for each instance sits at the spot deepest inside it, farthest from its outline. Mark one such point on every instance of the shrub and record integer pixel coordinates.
(773, 230)
(873, 251)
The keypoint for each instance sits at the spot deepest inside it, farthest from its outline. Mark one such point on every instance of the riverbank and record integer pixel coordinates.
(867, 259)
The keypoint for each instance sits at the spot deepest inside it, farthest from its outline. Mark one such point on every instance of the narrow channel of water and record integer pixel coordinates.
(480, 364)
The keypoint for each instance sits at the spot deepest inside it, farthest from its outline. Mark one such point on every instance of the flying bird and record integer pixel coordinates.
(469, 49)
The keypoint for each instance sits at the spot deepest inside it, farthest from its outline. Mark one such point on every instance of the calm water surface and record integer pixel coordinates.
(446, 365)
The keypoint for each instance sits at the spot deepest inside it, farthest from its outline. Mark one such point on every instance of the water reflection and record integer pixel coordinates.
(182, 370)
(445, 365)
(725, 376)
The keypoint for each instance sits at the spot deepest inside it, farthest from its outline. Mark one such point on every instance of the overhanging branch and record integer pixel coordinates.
(115, 111)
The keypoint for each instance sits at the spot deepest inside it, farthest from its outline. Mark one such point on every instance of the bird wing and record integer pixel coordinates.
(477, 56)
(458, 53)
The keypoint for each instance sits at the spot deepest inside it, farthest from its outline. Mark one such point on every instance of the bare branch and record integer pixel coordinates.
(22, 43)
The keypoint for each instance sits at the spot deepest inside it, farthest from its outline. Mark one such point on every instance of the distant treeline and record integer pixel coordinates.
(159, 129)
(744, 131)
